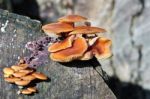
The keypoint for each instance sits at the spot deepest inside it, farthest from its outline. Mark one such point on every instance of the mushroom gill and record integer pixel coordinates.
(77, 50)
(62, 44)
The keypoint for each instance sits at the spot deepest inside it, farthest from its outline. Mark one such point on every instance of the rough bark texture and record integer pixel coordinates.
(127, 25)
(75, 80)
(127, 22)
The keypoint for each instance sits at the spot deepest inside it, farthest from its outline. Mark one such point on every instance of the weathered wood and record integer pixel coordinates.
(75, 80)
(127, 23)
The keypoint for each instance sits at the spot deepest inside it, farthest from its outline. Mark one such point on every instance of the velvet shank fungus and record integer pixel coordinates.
(72, 18)
(66, 43)
(22, 75)
(101, 48)
(79, 42)
(71, 53)
(26, 92)
(12, 79)
(57, 28)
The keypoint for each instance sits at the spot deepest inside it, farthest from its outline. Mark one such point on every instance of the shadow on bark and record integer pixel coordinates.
(127, 90)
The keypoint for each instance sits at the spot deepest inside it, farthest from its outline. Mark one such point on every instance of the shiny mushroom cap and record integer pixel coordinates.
(8, 71)
(40, 76)
(20, 67)
(62, 44)
(77, 50)
(32, 89)
(101, 48)
(57, 28)
(26, 92)
(27, 71)
(12, 79)
(7, 75)
(86, 30)
(72, 18)
(28, 77)
(22, 82)
(19, 74)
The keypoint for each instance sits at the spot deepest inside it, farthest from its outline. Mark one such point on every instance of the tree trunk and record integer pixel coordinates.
(75, 80)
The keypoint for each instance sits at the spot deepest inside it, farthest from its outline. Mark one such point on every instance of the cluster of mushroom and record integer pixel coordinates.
(22, 76)
(79, 42)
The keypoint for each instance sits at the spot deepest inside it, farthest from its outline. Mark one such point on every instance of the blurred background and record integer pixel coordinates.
(128, 26)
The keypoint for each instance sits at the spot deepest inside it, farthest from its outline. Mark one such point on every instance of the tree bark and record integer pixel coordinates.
(74, 80)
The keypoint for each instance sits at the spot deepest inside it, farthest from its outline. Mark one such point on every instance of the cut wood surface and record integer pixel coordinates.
(74, 80)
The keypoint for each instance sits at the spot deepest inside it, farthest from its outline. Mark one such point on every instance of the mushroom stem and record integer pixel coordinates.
(71, 23)
(87, 23)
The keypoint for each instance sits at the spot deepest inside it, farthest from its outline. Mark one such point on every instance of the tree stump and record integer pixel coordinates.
(74, 80)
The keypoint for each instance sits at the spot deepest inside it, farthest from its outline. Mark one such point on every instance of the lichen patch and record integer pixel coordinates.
(4, 27)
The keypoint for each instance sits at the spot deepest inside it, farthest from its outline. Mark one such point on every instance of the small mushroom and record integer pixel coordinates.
(86, 30)
(101, 48)
(62, 44)
(72, 18)
(17, 68)
(7, 75)
(20, 74)
(12, 79)
(8, 71)
(26, 92)
(32, 89)
(22, 82)
(27, 71)
(39, 76)
(28, 77)
(57, 28)
(77, 50)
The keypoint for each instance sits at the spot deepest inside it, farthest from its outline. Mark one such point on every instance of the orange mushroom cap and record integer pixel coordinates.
(101, 48)
(77, 50)
(86, 30)
(57, 28)
(19, 74)
(62, 44)
(72, 18)
(32, 89)
(26, 92)
(12, 79)
(22, 82)
(40, 76)
(28, 77)
(8, 71)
